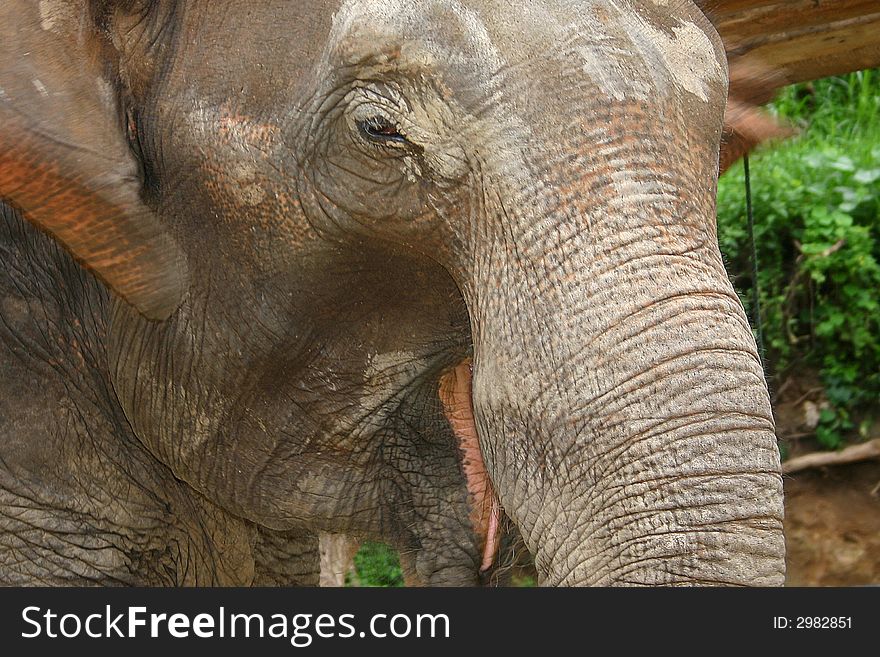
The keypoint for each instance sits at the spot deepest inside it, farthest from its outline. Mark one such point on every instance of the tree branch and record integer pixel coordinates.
(852, 454)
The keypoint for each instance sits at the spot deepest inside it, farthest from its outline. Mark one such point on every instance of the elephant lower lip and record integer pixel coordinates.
(455, 394)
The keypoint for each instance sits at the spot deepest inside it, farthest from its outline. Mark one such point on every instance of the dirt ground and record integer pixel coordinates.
(832, 514)
(832, 526)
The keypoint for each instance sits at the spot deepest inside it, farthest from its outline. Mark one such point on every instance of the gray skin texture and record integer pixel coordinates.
(542, 201)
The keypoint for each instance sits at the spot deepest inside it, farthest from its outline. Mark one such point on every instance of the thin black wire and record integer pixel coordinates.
(756, 293)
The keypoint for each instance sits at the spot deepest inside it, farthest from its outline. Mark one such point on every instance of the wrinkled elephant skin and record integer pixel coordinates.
(440, 273)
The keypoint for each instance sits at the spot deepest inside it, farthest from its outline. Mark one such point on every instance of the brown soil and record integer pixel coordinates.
(832, 526)
(832, 514)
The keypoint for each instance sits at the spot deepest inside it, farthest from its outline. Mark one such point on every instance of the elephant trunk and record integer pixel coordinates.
(620, 404)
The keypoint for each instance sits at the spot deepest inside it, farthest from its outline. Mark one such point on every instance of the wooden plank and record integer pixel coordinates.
(773, 43)
(799, 39)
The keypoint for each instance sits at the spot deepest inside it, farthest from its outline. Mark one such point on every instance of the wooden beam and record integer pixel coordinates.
(799, 39)
(773, 43)
(852, 454)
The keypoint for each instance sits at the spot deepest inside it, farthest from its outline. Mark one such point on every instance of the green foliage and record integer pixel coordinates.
(376, 564)
(523, 581)
(817, 203)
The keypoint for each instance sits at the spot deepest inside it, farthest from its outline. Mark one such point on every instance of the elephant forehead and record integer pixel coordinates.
(628, 49)
(631, 50)
(424, 34)
(675, 50)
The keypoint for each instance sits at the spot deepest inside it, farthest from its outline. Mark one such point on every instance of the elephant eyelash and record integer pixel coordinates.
(380, 130)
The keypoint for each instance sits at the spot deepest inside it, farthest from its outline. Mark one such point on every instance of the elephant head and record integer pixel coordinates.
(401, 265)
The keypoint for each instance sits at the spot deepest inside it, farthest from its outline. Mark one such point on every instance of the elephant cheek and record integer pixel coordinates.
(455, 395)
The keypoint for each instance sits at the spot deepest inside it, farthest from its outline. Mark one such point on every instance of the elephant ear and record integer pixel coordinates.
(771, 44)
(65, 161)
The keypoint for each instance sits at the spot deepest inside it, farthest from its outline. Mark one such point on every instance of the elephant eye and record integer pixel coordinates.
(380, 129)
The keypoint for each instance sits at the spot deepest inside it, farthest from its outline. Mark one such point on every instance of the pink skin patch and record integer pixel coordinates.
(455, 394)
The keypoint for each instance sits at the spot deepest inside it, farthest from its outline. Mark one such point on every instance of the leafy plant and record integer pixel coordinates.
(376, 564)
(817, 203)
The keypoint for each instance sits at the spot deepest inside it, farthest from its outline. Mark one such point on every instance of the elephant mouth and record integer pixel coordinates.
(485, 516)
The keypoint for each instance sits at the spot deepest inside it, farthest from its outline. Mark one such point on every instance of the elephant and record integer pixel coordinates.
(439, 273)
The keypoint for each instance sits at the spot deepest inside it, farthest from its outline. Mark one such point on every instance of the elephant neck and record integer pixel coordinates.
(54, 314)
